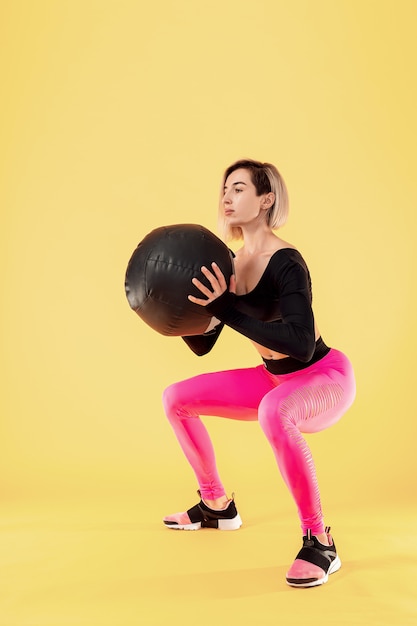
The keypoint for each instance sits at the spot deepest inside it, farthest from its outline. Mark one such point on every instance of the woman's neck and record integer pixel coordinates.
(258, 241)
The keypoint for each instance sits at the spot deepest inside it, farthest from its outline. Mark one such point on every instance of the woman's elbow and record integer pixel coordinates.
(305, 350)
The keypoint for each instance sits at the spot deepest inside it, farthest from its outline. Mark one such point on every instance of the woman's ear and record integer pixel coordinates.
(268, 200)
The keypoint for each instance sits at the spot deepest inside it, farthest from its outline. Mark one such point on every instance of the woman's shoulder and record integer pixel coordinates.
(286, 255)
(287, 264)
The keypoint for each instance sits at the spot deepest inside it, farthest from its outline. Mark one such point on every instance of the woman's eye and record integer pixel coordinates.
(238, 190)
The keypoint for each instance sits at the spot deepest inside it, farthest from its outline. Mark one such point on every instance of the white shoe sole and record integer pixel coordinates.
(223, 524)
(335, 565)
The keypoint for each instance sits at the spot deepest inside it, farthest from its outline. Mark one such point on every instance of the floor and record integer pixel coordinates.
(100, 563)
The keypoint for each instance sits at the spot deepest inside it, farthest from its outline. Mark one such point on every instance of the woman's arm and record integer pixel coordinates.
(202, 344)
(292, 335)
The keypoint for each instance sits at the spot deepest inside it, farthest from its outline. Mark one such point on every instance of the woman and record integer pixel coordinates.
(302, 386)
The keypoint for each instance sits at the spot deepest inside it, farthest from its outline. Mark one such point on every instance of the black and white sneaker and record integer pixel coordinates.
(201, 516)
(314, 563)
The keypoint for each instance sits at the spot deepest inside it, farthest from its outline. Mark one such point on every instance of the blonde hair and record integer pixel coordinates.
(266, 179)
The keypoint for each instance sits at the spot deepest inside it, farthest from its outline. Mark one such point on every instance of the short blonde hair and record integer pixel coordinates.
(266, 178)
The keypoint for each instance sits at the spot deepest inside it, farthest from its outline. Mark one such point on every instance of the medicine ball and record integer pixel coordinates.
(159, 273)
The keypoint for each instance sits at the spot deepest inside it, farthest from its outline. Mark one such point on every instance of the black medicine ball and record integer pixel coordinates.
(159, 273)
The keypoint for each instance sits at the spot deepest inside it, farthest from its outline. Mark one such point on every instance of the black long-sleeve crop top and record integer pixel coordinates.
(276, 314)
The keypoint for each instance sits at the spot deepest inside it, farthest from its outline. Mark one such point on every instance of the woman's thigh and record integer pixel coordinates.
(234, 394)
(315, 398)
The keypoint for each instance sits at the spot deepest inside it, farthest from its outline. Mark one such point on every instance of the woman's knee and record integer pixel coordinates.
(178, 400)
(171, 399)
(273, 421)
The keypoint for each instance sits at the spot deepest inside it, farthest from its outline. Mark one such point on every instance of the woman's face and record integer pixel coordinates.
(241, 205)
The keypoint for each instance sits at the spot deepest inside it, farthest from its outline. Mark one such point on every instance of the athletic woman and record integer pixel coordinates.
(301, 386)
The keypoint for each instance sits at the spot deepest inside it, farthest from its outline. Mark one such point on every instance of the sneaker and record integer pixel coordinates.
(201, 516)
(314, 563)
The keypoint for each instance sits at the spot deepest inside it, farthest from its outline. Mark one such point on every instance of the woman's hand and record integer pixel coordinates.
(217, 282)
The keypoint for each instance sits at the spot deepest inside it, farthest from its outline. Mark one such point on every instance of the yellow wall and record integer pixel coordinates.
(120, 116)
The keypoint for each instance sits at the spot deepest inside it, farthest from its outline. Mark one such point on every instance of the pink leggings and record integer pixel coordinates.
(305, 401)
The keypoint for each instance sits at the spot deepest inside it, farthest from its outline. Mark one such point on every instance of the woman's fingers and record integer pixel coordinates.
(198, 301)
(232, 285)
(205, 290)
(217, 283)
(220, 276)
(216, 280)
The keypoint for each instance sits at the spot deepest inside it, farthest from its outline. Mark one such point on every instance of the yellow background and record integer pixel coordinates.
(118, 117)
